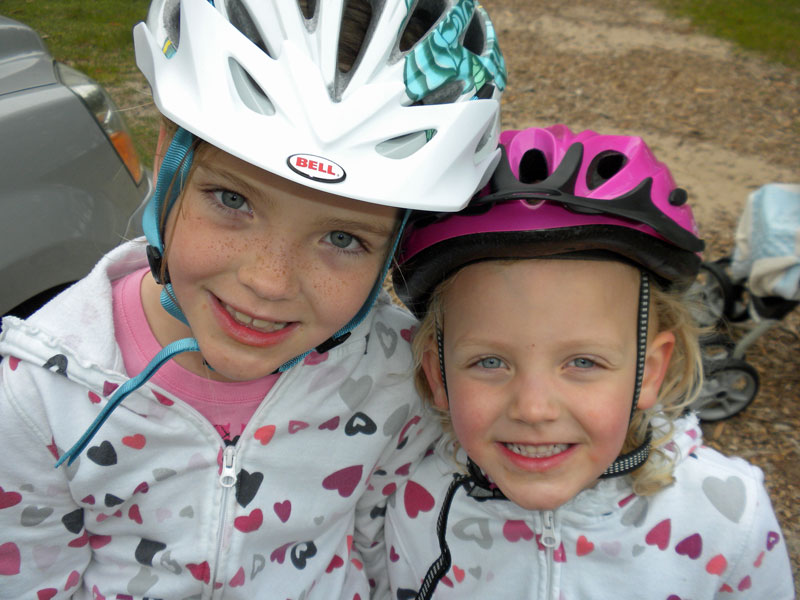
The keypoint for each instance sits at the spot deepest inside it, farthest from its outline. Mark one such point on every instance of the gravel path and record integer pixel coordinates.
(725, 121)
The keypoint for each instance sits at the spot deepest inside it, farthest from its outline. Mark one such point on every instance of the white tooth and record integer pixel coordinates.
(242, 318)
(259, 324)
(539, 451)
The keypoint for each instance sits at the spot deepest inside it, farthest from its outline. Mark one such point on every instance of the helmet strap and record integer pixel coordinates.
(634, 459)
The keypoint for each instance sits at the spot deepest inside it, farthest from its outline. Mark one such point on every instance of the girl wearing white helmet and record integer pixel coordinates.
(559, 351)
(262, 408)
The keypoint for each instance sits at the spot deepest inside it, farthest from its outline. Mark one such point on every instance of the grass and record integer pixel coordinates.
(769, 27)
(95, 37)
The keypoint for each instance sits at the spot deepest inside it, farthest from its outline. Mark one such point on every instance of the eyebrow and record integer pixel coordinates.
(238, 184)
(371, 227)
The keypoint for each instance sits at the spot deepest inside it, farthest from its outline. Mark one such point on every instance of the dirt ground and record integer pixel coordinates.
(726, 122)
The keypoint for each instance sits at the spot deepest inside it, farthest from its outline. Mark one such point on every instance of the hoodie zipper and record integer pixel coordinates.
(227, 479)
(549, 541)
(228, 475)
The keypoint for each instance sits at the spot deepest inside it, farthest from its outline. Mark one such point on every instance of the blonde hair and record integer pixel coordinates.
(669, 311)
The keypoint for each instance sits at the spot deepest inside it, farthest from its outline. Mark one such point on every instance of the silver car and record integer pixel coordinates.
(71, 184)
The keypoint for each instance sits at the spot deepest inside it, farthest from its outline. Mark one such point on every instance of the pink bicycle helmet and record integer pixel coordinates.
(556, 192)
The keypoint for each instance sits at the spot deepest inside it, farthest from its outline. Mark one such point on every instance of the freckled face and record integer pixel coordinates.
(263, 269)
(540, 359)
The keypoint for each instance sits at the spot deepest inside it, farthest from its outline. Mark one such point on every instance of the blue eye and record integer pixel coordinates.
(491, 362)
(343, 240)
(583, 363)
(231, 200)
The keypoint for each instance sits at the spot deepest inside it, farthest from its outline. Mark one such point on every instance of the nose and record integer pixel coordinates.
(534, 400)
(271, 269)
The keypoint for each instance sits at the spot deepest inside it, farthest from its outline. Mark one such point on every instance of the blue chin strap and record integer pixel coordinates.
(172, 175)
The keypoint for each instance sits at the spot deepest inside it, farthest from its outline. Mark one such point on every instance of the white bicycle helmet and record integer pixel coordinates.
(413, 99)
(263, 80)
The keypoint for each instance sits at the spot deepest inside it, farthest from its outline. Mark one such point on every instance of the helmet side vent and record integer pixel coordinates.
(354, 31)
(308, 8)
(475, 37)
(172, 22)
(421, 21)
(251, 94)
(603, 167)
(240, 18)
(405, 145)
(533, 166)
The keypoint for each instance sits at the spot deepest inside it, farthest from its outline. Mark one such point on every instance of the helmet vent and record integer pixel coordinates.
(405, 145)
(603, 167)
(240, 18)
(353, 33)
(172, 22)
(308, 8)
(533, 166)
(444, 94)
(474, 38)
(424, 17)
(249, 91)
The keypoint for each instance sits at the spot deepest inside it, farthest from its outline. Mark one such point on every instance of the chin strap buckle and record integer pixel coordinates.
(331, 343)
(156, 259)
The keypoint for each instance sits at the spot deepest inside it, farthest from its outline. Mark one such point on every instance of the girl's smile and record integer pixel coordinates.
(262, 268)
(540, 362)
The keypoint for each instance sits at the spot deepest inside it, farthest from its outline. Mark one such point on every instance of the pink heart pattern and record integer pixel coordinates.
(659, 535)
(691, 546)
(416, 499)
(515, 531)
(344, 480)
(10, 559)
(283, 510)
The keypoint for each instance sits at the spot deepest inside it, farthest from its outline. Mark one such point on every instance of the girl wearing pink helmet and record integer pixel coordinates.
(228, 402)
(563, 382)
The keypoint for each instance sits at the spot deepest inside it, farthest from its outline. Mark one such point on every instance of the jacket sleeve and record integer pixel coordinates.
(412, 436)
(400, 460)
(44, 548)
(762, 569)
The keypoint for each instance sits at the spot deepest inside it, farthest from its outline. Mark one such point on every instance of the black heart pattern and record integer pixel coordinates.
(59, 361)
(103, 455)
(73, 521)
(247, 485)
(146, 551)
(112, 500)
(360, 423)
(301, 553)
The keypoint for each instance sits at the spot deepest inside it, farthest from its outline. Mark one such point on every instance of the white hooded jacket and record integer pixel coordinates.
(157, 506)
(712, 534)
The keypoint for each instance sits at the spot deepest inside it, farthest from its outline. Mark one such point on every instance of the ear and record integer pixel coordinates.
(659, 352)
(161, 149)
(430, 365)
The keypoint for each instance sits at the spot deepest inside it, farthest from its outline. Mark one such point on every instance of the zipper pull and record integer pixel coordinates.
(548, 529)
(227, 478)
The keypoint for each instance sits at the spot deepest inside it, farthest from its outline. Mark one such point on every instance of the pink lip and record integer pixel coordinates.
(244, 334)
(537, 465)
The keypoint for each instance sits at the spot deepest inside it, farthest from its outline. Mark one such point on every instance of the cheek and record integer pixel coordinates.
(471, 423)
(341, 292)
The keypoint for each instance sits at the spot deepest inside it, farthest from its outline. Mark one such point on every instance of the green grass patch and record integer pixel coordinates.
(96, 37)
(770, 27)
